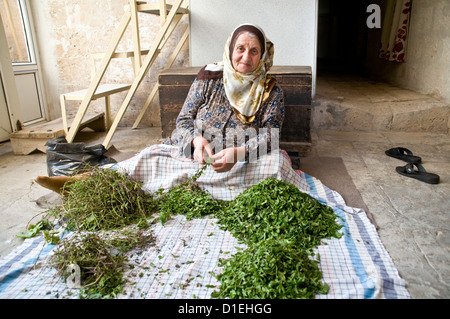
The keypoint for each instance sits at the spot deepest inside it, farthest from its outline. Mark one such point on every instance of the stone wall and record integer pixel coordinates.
(69, 31)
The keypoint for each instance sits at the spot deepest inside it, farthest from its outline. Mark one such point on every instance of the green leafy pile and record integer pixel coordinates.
(281, 227)
(274, 209)
(188, 199)
(271, 269)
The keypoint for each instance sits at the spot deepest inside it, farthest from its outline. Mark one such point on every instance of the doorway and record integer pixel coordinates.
(342, 36)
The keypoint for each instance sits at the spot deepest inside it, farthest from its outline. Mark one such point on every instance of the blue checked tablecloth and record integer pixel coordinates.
(185, 256)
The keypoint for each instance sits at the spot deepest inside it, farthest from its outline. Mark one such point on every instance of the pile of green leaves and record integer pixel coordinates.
(281, 227)
(106, 199)
(101, 260)
(274, 209)
(270, 269)
(188, 199)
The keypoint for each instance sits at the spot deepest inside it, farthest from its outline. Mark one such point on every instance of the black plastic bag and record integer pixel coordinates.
(67, 159)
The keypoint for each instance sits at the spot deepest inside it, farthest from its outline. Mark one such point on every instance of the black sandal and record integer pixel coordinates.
(419, 174)
(403, 154)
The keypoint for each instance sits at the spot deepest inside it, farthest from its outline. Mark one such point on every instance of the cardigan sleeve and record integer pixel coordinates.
(186, 128)
(270, 124)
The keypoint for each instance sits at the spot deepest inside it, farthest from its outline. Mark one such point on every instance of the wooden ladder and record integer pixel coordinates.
(170, 15)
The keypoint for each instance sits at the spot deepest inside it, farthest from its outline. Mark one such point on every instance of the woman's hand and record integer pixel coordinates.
(201, 145)
(225, 159)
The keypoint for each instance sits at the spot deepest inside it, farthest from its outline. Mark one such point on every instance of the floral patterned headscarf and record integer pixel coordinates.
(247, 92)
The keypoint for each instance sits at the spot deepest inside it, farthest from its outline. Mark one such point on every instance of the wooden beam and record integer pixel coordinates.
(162, 11)
(118, 55)
(142, 71)
(98, 76)
(155, 88)
(135, 32)
(154, 8)
(62, 103)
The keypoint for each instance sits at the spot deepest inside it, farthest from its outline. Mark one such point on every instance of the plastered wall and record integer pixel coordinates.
(69, 31)
(289, 24)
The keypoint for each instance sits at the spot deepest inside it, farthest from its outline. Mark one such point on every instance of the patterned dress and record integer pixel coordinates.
(207, 111)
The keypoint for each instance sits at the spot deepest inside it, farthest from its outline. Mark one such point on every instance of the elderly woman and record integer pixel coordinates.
(233, 111)
(230, 98)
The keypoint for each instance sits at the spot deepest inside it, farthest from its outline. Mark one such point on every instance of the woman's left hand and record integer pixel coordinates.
(225, 159)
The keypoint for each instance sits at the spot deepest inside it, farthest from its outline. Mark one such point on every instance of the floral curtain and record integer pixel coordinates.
(395, 30)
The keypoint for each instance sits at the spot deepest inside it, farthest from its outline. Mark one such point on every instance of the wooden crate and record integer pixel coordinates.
(296, 82)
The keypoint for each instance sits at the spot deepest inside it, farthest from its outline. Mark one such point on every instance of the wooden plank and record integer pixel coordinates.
(296, 94)
(296, 125)
(35, 137)
(135, 35)
(102, 91)
(27, 146)
(54, 128)
(119, 54)
(162, 11)
(154, 8)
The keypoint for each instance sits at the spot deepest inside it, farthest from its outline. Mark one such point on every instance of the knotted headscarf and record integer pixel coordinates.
(246, 92)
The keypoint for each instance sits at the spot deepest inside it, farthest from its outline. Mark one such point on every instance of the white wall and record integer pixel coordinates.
(290, 24)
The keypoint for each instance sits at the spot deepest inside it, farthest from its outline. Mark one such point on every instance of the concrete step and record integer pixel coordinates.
(352, 103)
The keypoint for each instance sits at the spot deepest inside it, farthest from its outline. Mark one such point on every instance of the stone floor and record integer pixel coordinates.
(413, 217)
(355, 103)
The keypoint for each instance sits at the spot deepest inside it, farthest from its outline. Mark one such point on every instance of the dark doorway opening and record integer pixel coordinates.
(342, 36)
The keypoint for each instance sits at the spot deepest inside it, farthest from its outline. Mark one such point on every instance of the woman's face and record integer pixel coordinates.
(246, 53)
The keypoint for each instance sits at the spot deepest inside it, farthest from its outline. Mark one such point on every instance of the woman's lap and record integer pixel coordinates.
(158, 167)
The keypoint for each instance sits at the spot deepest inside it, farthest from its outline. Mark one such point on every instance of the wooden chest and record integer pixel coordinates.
(296, 82)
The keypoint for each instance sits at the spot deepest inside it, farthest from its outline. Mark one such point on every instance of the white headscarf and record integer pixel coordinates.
(246, 92)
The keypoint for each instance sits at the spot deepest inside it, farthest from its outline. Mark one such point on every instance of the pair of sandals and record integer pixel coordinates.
(413, 169)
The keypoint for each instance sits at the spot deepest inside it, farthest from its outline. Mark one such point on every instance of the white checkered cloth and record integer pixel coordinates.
(185, 256)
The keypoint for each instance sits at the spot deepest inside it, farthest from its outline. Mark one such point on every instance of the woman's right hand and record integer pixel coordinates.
(201, 145)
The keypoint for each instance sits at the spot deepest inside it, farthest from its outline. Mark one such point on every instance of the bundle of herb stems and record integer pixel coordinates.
(106, 199)
(94, 208)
